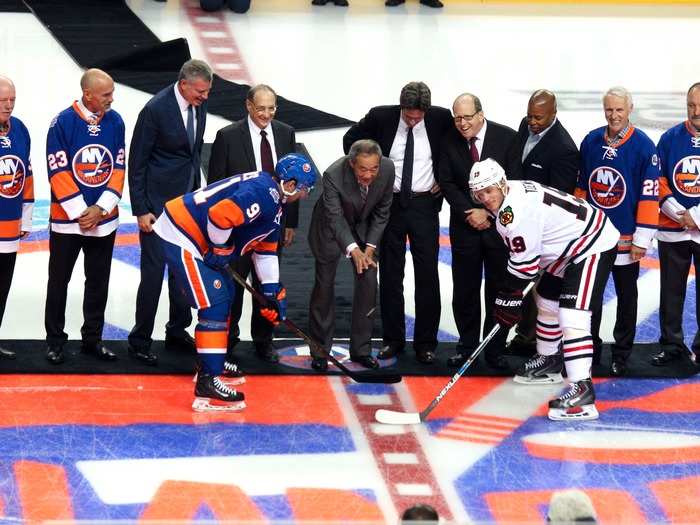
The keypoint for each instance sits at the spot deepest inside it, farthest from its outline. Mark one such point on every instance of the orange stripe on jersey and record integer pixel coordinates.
(581, 194)
(181, 216)
(226, 214)
(195, 281)
(76, 108)
(213, 339)
(63, 185)
(266, 247)
(664, 188)
(28, 191)
(58, 213)
(116, 181)
(10, 229)
(666, 223)
(648, 213)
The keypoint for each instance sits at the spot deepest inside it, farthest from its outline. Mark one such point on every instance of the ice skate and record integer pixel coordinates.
(212, 395)
(541, 370)
(232, 374)
(578, 403)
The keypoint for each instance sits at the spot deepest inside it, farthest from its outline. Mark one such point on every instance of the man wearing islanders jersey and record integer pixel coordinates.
(678, 236)
(620, 175)
(16, 191)
(85, 159)
(572, 245)
(203, 232)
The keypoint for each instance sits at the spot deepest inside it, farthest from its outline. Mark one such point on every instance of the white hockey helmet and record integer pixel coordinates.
(486, 173)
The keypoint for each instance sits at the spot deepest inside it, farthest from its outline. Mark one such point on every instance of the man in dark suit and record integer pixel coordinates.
(348, 220)
(549, 156)
(476, 246)
(254, 144)
(410, 135)
(164, 163)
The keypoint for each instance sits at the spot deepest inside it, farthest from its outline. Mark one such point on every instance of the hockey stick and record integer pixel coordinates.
(357, 377)
(391, 417)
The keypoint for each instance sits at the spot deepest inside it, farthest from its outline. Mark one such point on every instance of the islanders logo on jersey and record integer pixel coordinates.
(505, 216)
(12, 175)
(93, 165)
(686, 176)
(607, 187)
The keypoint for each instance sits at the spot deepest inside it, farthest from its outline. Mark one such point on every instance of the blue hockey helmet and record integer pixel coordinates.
(296, 167)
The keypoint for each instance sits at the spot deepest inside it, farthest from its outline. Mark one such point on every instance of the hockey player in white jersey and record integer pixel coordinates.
(573, 246)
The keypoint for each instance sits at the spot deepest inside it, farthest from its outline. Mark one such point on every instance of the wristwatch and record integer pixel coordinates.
(103, 212)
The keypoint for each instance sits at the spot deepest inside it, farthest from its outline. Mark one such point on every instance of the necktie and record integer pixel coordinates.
(190, 126)
(472, 149)
(407, 170)
(363, 192)
(266, 162)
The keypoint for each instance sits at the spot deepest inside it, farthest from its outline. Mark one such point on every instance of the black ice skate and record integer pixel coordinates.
(577, 403)
(232, 374)
(212, 395)
(540, 370)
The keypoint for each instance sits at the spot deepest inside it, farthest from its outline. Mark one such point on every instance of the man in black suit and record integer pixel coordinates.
(476, 246)
(549, 156)
(254, 144)
(164, 163)
(410, 134)
(348, 220)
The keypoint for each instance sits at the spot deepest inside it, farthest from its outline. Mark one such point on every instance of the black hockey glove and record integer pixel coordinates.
(507, 310)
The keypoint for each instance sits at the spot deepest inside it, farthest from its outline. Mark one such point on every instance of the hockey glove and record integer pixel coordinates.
(507, 310)
(276, 309)
(218, 256)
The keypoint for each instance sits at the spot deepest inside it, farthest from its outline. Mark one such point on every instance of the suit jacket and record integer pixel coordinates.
(380, 124)
(232, 154)
(340, 218)
(553, 161)
(160, 158)
(500, 144)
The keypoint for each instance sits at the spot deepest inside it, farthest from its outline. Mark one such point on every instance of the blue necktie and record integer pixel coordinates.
(190, 126)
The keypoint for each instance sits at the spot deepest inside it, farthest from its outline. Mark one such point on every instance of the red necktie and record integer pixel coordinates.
(266, 154)
(472, 149)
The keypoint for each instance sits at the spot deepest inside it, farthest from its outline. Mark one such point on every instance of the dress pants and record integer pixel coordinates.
(322, 307)
(7, 270)
(64, 249)
(476, 253)
(152, 269)
(625, 279)
(419, 221)
(675, 259)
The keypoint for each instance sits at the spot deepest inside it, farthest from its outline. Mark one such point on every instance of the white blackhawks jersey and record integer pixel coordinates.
(547, 229)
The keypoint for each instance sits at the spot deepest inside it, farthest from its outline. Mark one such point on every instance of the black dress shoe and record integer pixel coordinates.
(99, 351)
(498, 362)
(320, 364)
(618, 367)
(144, 355)
(432, 3)
(54, 354)
(365, 360)
(319, 2)
(426, 357)
(267, 353)
(393, 3)
(389, 351)
(341, 3)
(7, 354)
(182, 343)
(457, 360)
(665, 357)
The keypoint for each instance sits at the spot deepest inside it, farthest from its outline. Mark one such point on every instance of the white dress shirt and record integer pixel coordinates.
(183, 105)
(256, 138)
(533, 139)
(423, 177)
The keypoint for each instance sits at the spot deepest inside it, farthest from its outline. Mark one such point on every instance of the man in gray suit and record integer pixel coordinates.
(349, 219)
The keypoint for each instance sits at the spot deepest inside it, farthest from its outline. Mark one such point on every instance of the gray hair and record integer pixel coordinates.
(364, 147)
(475, 100)
(415, 95)
(195, 68)
(619, 91)
(259, 87)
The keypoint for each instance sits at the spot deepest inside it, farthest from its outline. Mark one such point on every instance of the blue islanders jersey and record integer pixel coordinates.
(679, 184)
(244, 210)
(85, 158)
(16, 185)
(623, 181)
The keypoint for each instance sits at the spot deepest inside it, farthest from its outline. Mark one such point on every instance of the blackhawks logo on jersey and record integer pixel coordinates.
(505, 216)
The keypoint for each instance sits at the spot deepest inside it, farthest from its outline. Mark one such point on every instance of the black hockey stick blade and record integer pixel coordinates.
(355, 376)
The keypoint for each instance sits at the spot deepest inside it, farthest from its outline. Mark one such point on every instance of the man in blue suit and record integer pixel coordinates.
(164, 163)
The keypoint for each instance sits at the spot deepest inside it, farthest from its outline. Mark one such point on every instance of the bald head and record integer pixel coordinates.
(98, 90)
(541, 110)
(7, 99)
(468, 115)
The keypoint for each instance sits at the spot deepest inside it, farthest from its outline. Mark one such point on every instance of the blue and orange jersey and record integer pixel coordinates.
(622, 180)
(679, 184)
(16, 185)
(243, 211)
(85, 156)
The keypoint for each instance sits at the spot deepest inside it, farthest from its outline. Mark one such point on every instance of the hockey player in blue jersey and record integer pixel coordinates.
(204, 231)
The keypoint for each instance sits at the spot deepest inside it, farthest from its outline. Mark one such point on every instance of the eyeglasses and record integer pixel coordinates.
(465, 118)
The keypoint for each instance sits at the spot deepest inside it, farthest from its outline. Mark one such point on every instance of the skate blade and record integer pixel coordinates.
(201, 404)
(582, 413)
(551, 379)
(232, 381)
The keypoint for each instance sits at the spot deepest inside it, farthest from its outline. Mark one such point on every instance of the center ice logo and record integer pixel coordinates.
(93, 165)
(686, 176)
(607, 187)
(12, 175)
